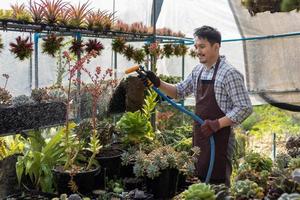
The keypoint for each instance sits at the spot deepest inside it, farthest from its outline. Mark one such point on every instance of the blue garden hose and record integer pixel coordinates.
(198, 119)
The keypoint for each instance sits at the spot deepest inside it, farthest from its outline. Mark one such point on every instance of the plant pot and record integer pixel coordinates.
(165, 185)
(133, 183)
(110, 162)
(32, 194)
(85, 180)
(127, 170)
(8, 177)
(31, 116)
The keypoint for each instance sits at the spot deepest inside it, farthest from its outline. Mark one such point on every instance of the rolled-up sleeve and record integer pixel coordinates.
(185, 88)
(236, 91)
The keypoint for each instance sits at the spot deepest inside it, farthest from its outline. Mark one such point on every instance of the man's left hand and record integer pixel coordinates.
(209, 127)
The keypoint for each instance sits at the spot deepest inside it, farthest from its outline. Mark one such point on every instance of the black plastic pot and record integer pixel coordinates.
(127, 170)
(85, 181)
(28, 195)
(165, 185)
(133, 183)
(110, 162)
(8, 176)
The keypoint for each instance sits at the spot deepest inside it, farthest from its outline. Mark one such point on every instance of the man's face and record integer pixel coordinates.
(205, 51)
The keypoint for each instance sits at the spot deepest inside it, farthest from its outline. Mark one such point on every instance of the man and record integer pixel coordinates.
(221, 100)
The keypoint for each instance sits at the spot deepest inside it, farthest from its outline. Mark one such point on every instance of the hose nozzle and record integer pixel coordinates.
(132, 69)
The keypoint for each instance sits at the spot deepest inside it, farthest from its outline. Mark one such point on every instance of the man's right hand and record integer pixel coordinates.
(152, 77)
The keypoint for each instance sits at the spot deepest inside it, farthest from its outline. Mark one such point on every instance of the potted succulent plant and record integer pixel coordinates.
(161, 167)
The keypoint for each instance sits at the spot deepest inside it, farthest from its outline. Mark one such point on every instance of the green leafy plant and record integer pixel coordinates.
(118, 45)
(257, 162)
(199, 191)
(10, 145)
(22, 48)
(40, 156)
(136, 126)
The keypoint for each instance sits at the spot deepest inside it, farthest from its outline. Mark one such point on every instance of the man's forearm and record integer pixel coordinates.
(225, 121)
(168, 89)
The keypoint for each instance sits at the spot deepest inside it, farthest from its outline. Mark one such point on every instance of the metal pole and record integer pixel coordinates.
(153, 60)
(77, 100)
(30, 67)
(274, 146)
(36, 60)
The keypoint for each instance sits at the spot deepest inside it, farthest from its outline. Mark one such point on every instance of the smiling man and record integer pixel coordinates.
(221, 100)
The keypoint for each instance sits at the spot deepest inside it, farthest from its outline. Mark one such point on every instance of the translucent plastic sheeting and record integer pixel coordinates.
(271, 65)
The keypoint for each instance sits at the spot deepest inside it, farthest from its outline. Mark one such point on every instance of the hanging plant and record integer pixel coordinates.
(138, 55)
(118, 45)
(52, 44)
(168, 50)
(193, 53)
(180, 50)
(94, 45)
(77, 47)
(22, 48)
(128, 52)
(146, 49)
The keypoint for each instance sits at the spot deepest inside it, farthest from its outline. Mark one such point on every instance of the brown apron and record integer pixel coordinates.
(207, 108)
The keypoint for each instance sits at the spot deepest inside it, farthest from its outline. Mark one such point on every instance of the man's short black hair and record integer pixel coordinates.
(211, 34)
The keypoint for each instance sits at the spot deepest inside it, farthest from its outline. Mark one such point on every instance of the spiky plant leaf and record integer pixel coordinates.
(94, 45)
(36, 11)
(77, 47)
(118, 45)
(78, 14)
(138, 55)
(128, 52)
(52, 44)
(53, 9)
(22, 48)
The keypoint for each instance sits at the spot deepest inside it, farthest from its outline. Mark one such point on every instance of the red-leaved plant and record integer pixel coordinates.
(101, 82)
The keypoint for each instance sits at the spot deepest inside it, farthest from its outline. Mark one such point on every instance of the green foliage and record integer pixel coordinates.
(268, 119)
(170, 79)
(162, 158)
(136, 125)
(257, 162)
(294, 163)
(289, 5)
(199, 191)
(10, 145)
(247, 189)
(39, 159)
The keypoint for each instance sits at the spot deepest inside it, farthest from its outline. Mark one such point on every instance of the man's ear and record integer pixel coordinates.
(216, 47)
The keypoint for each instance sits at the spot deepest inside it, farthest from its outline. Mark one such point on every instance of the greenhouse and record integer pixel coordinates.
(149, 99)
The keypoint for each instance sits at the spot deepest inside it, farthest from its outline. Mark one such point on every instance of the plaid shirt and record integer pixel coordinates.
(231, 94)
